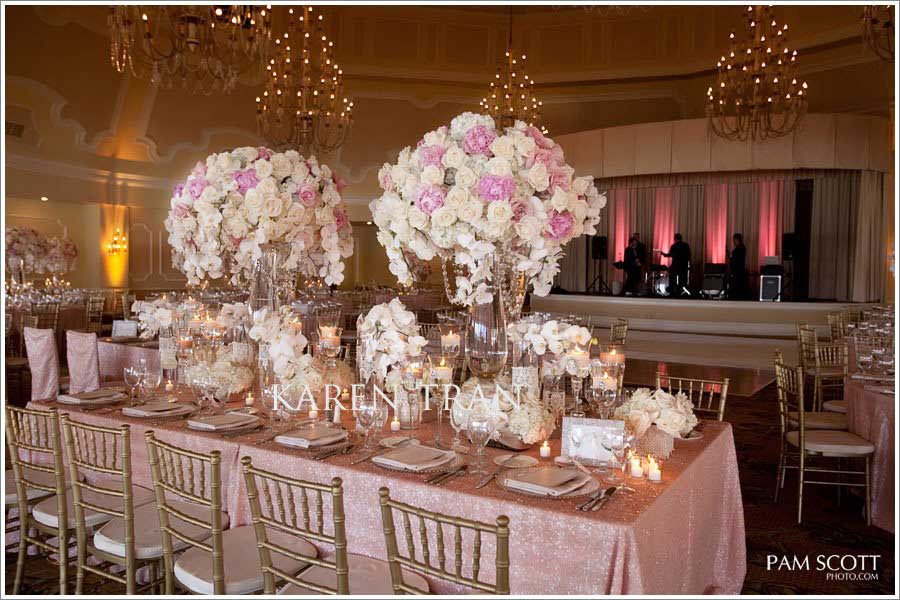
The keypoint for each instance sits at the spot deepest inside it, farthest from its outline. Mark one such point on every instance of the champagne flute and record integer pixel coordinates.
(366, 416)
(480, 427)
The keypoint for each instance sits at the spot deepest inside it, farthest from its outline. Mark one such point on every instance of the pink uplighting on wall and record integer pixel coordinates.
(716, 218)
(664, 218)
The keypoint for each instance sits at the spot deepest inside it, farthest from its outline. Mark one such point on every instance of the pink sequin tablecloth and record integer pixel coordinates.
(115, 356)
(682, 536)
(871, 416)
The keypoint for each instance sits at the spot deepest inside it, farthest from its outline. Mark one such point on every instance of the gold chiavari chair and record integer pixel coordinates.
(17, 362)
(829, 372)
(799, 446)
(431, 331)
(282, 505)
(618, 331)
(99, 460)
(47, 314)
(426, 565)
(94, 313)
(816, 419)
(35, 452)
(707, 395)
(853, 316)
(838, 326)
(806, 343)
(216, 561)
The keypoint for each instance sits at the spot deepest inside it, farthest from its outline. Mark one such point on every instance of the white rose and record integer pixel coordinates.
(581, 184)
(470, 211)
(263, 168)
(272, 206)
(529, 228)
(431, 175)
(210, 195)
(465, 177)
(498, 166)
(281, 166)
(456, 197)
(499, 212)
(443, 217)
(417, 218)
(671, 421)
(561, 199)
(503, 146)
(454, 157)
(299, 172)
(538, 178)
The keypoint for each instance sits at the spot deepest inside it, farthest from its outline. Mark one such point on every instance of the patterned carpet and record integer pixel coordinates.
(828, 529)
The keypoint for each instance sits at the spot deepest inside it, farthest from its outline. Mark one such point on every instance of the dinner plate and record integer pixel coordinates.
(457, 461)
(515, 461)
(693, 435)
(590, 486)
(396, 440)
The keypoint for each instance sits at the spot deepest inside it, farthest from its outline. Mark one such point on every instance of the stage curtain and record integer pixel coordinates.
(716, 222)
(691, 224)
(665, 217)
(833, 236)
(867, 268)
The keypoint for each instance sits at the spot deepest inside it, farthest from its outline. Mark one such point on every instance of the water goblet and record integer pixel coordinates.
(366, 415)
(132, 377)
(480, 427)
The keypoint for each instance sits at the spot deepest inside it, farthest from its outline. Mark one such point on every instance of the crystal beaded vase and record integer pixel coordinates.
(272, 281)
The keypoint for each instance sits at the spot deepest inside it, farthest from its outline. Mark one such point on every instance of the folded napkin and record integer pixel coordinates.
(320, 435)
(225, 422)
(881, 389)
(414, 458)
(546, 481)
(101, 396)
(157, 409)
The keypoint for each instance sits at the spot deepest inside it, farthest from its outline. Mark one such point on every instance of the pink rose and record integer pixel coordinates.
(386, 181)
(246, 180)
(340, 218)
(478, 140)
(520, 208)
(538, 137)
(560, 178)
(431, 155)
(496, 187)
(264, 153)
(196, 187)
(181, 210)
(179, 189)
(560, 225)
(199, 169)
(540, 155)
(307, 195)
(430, 198)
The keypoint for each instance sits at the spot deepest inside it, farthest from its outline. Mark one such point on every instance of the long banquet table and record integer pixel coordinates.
(871, 416)
(683, 536)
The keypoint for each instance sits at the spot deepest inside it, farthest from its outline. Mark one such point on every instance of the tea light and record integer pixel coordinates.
(612, 357)
(654, 472)
(329, 336)
(636, 469)
(169, 385)
(313, 413)
(345, 395)
(545, 449)
(442, 372)
(607, 381)
(248, 399)
(580, 357)
(395, 424)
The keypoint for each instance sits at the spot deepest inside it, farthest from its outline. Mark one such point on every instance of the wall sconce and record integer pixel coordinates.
(118, 245)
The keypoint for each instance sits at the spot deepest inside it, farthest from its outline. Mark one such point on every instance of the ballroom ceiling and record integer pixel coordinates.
(408, 69)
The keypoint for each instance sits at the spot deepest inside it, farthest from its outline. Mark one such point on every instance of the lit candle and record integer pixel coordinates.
(169, 385)
(654, 472)
(395, 424)
(612, 357)
(313, 413)
(636, 469)
(607, 381)
(345, 395)
(450, 341)
(248, 400)
(443, 373)
(580, 357)
(545, 449)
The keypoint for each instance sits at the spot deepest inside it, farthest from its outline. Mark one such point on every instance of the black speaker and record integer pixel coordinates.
(599, 247)
(788, 245)
(770, 288)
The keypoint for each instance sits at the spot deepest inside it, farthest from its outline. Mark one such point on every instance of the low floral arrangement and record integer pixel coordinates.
(153, 315)
(388, 336)
(229, 378)
(28, 246)
(550, 336)
(61, 255)
(469, 192)
(234, 315)
(672, 414)
(236, 201)
(527, 421)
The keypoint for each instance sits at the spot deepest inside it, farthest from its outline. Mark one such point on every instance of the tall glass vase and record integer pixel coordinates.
(486, 341)
(272, 282)
(511, 283)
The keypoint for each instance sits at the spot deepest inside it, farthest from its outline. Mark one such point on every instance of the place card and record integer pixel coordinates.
(593, 432)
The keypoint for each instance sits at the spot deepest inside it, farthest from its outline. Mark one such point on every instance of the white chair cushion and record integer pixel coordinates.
(45, 511)
(832, 443)
(147, 536)
(11, 496)
(368, 576)
(836, 406)
(243, 573)
(821, 420)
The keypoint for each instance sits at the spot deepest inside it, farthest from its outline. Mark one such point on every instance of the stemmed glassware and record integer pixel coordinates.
(480, 427)
(618, 444)
(133, 377)
(150, 381)
(459, 415)
(367, 415)
(578, 366)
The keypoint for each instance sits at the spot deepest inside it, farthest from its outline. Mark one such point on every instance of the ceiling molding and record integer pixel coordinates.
(56, 168)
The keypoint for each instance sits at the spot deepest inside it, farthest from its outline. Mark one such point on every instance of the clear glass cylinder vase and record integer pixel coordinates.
(272, 282)
(486, 339)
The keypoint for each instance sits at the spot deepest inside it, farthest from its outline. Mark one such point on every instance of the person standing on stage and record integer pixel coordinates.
(641, 249)
(680, 253)
(633, 267)
(737, 268)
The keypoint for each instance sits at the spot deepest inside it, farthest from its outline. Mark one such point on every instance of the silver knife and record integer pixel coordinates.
(445, 475)
(372, 455)
(599, 504)
(591, 499)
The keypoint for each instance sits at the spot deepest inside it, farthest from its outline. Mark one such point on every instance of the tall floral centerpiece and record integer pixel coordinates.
(240, 205)
(61, 256)
(469, 193)
(26, 251)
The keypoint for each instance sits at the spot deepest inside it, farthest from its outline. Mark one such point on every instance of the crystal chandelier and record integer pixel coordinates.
(757, 94)
(878, 30)
(303, 105)
(201, 48)
(511, 96)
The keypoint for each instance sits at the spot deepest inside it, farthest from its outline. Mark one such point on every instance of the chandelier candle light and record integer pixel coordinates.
(757, 94)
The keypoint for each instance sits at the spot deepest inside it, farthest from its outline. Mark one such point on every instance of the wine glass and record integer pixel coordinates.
(615, 443)
(132, 377)
(366, 416)
(576, 436)
(480, 427)
(150, 381)
(459, 415)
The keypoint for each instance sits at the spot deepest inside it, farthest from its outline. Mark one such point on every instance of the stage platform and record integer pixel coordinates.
(710, 333)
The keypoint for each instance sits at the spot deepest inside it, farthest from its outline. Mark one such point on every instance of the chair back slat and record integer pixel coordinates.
(707, 395)
(274, 506)
(807, 340)
(428, 521)
(94, 313)
(618, 331)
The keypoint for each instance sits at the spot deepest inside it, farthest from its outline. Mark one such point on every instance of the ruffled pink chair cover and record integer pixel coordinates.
(84, 364)
(40, 346)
